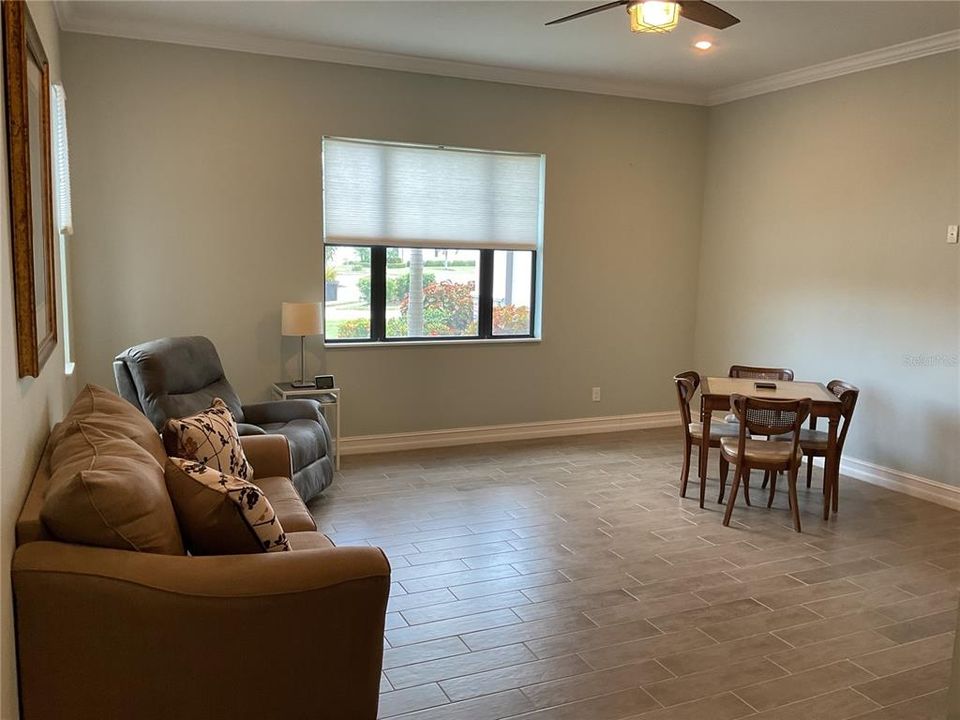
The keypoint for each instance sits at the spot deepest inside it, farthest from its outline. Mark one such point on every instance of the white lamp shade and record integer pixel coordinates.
(302, 319)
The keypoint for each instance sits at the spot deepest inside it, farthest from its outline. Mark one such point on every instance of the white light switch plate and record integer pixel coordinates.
(952, 234)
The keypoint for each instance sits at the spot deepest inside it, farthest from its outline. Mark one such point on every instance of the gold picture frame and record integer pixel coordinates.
(27, 85)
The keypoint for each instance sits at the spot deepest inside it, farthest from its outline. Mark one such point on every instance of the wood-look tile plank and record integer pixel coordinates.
(641, 610)
(803, 685)
(457, 665)
(927, 707)
(841, 648)
(643, 649)
(614, 706)
(594, 683)
(728, 676)
(920, 606)
(831, 628)
(707, 616)
(448, 628)
(921, 627)
(514, 676)
(760, 623)
(460, 608)
(415, 698)
(590, 638)
(858, 601)
(902, 657)
(423, 652)
(489, 707)
(809, 593)
(523, 632)
(725, 706)
(694, 661)
(908, 684)
(517, 582)
(835, 572)
(836, 705)
(584, 602)
(454, 579)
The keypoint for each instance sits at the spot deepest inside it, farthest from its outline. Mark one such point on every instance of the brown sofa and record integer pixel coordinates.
(106, 633)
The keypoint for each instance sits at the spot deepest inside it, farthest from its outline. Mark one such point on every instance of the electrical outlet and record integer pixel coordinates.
(596, 395)
(952, 234)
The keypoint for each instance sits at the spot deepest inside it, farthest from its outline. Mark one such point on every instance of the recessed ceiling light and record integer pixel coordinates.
(703, 45)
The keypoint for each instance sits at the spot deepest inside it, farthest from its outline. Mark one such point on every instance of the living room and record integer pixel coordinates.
(786, 197)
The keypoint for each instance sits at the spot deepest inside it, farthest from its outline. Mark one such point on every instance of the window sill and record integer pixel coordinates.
(430, 343)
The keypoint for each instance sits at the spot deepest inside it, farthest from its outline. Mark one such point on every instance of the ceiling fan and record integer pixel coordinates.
(661, 16)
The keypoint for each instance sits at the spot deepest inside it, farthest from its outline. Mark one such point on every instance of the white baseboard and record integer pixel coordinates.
(503, 433)
(899, 481)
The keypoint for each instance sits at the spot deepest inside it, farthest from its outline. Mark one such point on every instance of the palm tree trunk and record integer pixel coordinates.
(415, 307)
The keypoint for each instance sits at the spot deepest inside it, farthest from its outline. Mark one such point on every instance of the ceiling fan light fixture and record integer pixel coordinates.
(658, 16)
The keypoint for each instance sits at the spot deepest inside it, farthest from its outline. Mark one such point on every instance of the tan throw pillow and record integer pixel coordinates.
(113, 415)
(220, 514)
(209, 437)
(110, 493)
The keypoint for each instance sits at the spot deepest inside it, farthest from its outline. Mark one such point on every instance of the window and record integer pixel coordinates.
(430, 243)
(64, 212)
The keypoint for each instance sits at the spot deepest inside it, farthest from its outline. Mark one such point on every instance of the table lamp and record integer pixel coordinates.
(301, 319)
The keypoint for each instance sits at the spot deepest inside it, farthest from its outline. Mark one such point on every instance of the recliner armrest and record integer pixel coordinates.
(280, 411)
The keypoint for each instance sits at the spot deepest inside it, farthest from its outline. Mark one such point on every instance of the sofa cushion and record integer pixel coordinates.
(306, 439)
(113, 415)
(209, 437)
(109, 492)
(221, 514)
(309, 540)
(287, 504)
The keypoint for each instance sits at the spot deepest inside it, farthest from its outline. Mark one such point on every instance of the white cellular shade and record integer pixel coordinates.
(61, 161)
(427, 196)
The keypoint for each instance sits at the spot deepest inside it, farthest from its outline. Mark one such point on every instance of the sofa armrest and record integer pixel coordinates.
(114, 633)
(280, 411)
(268, 454)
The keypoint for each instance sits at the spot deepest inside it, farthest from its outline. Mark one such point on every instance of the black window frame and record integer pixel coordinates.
(485, 304)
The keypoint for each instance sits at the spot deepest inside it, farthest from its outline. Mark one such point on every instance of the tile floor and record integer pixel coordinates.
(565, 579)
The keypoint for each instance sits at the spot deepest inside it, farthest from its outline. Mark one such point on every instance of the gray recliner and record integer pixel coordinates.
(179, 376)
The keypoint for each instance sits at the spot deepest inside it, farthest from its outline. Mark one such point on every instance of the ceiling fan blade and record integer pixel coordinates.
(591, 11)
(707, 14)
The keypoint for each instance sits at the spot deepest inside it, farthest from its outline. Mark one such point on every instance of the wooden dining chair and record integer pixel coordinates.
(756, 373)
(687, 384)
(774, 419)
(813, 442)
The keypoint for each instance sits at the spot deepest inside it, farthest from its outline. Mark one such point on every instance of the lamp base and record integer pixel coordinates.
(301, 385)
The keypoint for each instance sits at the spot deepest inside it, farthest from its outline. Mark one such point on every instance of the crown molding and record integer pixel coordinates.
(902, 52)
(261, 45)
(70, 21)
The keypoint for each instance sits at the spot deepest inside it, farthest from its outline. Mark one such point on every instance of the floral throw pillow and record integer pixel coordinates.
(220, 514)
(209, 437)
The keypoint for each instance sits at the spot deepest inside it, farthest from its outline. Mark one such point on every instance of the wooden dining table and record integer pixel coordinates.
(715, 393)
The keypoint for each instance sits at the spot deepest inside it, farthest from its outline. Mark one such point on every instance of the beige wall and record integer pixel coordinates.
(27, 407)
(824, 249)
(197, 204)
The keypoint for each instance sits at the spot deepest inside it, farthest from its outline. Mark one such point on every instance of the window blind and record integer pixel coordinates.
(377, 193)
(62, 161)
